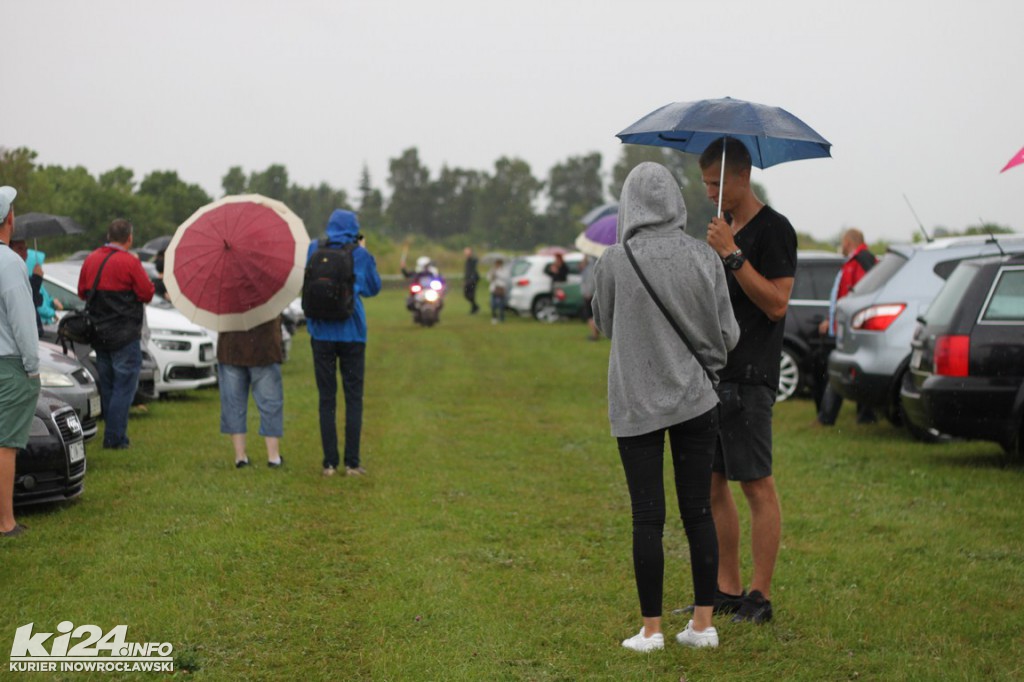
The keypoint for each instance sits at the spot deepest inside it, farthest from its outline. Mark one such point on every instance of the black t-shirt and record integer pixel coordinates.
(769, 243)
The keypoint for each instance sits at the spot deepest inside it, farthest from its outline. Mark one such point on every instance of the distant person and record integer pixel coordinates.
(499, 280)
(469, 280)
(758, 247)
(118, 309)
(19, 362)
(557, 270)
(46, 305)
(587, 294)
(158, 282)
(657, 385)
(425, 273)
(250, 361)
(858, 261)
(341, 344)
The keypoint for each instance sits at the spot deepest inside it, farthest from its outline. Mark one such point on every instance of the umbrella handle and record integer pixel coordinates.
(721, 177)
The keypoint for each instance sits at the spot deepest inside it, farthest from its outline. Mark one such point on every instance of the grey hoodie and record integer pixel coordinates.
(653, 380)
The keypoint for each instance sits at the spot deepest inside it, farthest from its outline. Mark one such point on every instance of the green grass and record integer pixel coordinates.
(491, 540)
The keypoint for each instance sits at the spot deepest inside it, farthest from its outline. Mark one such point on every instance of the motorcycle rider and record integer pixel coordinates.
(424, 274)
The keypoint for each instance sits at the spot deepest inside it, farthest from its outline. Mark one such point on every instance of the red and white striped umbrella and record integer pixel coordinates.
(236, 263)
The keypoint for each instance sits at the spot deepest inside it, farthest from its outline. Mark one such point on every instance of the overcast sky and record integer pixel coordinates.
(918, 97)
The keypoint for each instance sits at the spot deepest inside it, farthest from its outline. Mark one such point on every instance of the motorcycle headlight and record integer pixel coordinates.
(431, 295)
(436, 285)
(51, 379)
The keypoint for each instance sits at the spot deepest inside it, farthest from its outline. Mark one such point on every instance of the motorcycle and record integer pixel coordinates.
(426, 298)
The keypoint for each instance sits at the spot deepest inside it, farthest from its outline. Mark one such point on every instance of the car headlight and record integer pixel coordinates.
(167, 344)
(51, 379)
(38, 428)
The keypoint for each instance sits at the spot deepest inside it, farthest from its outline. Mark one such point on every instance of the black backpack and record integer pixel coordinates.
(329, 285)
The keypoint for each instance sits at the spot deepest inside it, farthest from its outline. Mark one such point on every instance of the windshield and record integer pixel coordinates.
(877, 276)
(520, 267)
(940, 312)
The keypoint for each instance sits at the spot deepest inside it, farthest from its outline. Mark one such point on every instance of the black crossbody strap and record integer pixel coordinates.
(96, 282)
(664, 311)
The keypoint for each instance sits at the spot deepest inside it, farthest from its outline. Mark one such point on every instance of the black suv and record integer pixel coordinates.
(966, 375)
(804, 351)
(52, 467)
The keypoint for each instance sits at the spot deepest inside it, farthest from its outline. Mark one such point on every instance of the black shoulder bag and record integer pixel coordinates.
(78, 326)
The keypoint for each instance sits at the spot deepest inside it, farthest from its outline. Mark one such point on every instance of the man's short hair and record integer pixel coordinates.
(119, 231)
(855, 236)
(737, 156)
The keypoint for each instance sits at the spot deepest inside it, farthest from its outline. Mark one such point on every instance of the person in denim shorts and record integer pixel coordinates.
(758, 248)
(251, 361)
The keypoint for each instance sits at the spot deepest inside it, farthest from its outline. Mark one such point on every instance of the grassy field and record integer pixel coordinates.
(491, 538)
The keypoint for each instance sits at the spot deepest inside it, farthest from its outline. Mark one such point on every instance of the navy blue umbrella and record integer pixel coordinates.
(771, 135)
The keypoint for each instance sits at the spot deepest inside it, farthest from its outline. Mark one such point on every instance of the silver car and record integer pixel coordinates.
(875, 322)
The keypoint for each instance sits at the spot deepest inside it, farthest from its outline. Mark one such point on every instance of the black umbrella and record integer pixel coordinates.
(34, 225)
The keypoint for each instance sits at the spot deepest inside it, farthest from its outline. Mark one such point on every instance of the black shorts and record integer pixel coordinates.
(744, 451)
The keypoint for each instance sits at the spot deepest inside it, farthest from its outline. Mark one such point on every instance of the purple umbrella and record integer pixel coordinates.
(601, 234)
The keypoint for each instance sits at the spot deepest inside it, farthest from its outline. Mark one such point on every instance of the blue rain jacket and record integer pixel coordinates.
(342, 228)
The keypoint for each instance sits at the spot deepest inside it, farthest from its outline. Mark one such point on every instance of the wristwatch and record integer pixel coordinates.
(735, 260)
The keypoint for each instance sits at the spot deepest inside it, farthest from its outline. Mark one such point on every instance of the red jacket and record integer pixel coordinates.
(123, 289)
(853, 270)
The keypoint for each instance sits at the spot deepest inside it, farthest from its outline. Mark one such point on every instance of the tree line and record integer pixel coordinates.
(495, 208)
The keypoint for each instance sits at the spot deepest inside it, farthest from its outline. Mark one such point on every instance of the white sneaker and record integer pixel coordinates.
(690, 637)
(644, 644)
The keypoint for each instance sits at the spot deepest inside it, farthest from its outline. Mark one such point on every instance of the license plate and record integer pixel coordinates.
(94, 406)
(77, 451)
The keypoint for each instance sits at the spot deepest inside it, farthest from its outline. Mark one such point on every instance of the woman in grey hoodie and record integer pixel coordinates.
(655, 384)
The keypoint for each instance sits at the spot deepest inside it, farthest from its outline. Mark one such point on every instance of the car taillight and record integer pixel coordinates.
(877, 318)
(952, 354)
(559, 294)
(522, 282)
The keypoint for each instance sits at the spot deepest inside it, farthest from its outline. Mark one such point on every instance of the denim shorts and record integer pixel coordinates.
(744, 450)
(267, 391)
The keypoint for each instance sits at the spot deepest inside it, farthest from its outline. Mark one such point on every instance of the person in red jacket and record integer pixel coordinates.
(858, 261)
(118, 311)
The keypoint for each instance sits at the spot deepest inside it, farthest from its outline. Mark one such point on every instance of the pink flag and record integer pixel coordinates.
(1017, 159)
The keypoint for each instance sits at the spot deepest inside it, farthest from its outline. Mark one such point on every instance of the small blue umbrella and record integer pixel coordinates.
(771, 135)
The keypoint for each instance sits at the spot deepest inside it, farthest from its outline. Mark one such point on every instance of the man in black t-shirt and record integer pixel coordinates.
(758, 248)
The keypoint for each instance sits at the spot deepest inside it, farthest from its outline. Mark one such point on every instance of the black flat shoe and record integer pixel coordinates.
(277, 464)
(241, 464)
(14, 532)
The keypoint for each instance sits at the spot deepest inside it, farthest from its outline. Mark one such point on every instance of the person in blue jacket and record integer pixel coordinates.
(341, 344)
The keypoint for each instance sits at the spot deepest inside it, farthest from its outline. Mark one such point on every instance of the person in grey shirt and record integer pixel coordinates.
(655, 384)
(19, 362)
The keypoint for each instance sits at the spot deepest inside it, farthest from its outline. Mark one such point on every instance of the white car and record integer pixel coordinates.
(185, 353)
(531, 288)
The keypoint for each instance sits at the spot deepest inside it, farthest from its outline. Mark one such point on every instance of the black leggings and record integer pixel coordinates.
(693, 449)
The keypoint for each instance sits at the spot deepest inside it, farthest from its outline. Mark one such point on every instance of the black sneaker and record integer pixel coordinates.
(755, 609)
(724, 603)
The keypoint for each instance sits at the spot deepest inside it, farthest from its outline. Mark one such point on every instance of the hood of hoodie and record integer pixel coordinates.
(650, 201)
(343, 227)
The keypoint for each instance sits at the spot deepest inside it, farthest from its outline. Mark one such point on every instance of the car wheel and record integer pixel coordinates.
(789, 376)
(544, 310)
